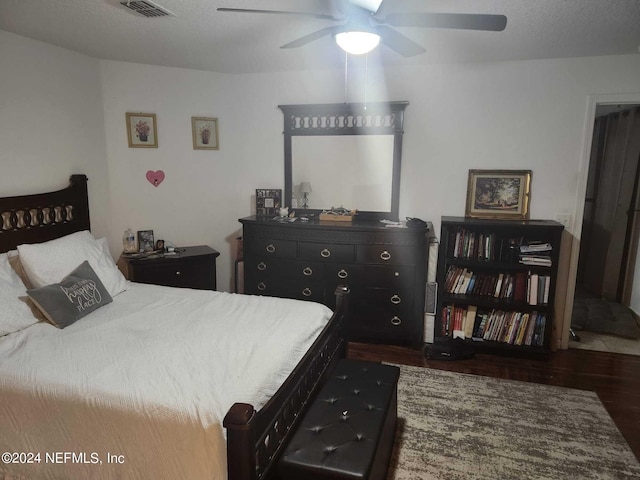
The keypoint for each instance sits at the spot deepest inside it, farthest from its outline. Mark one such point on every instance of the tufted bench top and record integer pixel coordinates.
(349, 429)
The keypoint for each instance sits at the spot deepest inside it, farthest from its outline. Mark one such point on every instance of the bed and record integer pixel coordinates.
(156, 383)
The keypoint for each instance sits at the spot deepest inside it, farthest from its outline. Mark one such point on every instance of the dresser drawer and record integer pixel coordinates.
(278, 287)
(390, 276)
(326, 252)
(342, 273)
(272, 247)
(184, 274)
(390, 300)
(272, 267)
(386, 254)
(348, 275)
(371, 323)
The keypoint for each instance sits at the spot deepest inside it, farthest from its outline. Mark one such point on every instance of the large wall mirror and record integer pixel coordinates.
(347, 155)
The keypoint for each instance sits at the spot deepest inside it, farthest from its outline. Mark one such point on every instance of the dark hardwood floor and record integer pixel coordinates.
(614, 377)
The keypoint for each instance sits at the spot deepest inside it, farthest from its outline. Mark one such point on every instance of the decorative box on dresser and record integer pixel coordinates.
(385, 269)
(190, 267)
(497, 282)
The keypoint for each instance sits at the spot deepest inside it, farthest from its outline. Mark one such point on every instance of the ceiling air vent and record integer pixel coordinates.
(147, 9)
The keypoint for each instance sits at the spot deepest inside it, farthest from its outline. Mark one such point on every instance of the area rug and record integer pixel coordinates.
(454, 426)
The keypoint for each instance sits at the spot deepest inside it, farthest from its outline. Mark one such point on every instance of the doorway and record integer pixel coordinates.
(610, 229)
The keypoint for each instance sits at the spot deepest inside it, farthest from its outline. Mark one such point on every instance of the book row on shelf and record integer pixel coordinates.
(512, 327)
(480, 246)
(529, 287)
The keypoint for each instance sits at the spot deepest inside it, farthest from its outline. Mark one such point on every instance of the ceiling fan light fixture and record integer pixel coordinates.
(357, 42)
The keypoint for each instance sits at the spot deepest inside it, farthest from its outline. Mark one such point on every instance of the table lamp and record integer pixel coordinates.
(305, 190)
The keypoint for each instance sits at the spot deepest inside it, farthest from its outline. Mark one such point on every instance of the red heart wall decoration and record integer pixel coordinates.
(155, 178)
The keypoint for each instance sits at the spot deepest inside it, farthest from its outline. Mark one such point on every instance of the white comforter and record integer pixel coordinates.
(159, 354)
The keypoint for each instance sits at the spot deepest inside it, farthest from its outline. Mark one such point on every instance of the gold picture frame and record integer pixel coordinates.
(141, 130)
(205, 133)
(498, 194)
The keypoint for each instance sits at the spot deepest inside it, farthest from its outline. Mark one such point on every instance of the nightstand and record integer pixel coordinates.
(191, 267)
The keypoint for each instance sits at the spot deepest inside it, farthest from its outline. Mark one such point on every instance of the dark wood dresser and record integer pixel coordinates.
(384, 267)
(191, 267)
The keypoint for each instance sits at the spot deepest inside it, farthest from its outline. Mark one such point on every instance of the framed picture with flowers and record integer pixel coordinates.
(141, 130)
(205, 133)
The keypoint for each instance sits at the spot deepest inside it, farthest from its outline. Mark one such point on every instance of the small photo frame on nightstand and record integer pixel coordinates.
(145, 241)
(268, 202)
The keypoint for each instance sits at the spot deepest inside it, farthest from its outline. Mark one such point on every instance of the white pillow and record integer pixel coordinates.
(49, 262)
(15, 315)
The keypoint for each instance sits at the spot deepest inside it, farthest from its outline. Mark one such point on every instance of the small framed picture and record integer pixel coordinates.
(205, 133)
(498, 194)
(145, 241)
(141, 130)
(268, 202)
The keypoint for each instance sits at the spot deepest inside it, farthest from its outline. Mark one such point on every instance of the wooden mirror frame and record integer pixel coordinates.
(381, 118)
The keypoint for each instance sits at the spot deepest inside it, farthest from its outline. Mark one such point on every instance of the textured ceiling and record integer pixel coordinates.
(199, 37)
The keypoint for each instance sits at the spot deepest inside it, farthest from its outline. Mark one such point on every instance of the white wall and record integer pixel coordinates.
(51, 123)
(515, 115)
(204, 191)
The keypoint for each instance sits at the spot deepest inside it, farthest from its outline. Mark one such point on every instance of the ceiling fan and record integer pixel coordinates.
(365, 21)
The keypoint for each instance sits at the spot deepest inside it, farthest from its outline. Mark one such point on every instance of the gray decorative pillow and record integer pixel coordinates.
(78, 294)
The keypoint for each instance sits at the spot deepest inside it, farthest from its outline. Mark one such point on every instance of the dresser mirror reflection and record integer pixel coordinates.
(344, 155)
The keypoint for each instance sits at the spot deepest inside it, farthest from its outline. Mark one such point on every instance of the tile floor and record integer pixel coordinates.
(605, 343)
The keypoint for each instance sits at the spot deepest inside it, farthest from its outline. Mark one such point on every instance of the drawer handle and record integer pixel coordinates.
(307, 292)
(396, 320)
(385, 255)
(325, 253)
(343, 274)
(178, 273)
(271, 248)
(307, 271)
(262, 286)
(395, 299)
(262, 266)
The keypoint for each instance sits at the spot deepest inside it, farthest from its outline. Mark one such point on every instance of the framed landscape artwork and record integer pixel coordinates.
(141, 130)
(498, 194)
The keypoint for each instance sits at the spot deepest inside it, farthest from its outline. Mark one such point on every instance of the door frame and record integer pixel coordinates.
(575, 232)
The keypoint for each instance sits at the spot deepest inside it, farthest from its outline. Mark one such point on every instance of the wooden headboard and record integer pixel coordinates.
(44, 216)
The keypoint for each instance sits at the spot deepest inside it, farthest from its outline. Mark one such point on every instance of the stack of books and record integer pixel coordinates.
(536, 254)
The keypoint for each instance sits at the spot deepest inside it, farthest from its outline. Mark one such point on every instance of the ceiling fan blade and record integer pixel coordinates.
(320, 16)
(398, 42)
(371, 5)
(310, 38)
(468, 21)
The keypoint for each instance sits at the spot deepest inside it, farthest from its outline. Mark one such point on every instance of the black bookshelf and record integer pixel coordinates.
(497, 282)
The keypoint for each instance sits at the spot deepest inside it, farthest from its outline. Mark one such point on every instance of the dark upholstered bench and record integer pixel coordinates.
(349, 429)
